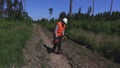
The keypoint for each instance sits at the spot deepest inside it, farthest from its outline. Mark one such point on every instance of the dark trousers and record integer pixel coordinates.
(57, 45)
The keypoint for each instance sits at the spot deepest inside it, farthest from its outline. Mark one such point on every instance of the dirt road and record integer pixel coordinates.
(57, 61)
(37, 54)
(31, 52)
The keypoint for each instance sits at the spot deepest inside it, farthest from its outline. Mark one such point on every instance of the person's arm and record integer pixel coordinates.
(63, 32)
(56, 30)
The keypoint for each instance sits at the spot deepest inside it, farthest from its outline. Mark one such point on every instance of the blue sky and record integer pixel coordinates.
(38, 9)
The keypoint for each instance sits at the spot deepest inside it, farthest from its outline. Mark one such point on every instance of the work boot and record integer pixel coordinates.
(59, 51)
(53, 50)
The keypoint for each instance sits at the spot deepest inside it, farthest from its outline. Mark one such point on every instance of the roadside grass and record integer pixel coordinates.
(107, 45)
(102, 37)
(13, 35)
(79, 56)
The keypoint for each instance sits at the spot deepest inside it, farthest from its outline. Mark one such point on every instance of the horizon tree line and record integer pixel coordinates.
(92, 9)
(12, 9)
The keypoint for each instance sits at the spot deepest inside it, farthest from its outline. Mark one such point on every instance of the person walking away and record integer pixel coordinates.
(58, 35)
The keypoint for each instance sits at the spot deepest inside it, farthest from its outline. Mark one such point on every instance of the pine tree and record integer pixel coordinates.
(9, 8)
(1, 8)
(89, 10)
(62, 15)
(15, 7)
(50, 11)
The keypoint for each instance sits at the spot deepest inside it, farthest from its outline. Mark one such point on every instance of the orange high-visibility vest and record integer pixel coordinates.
(59, 31)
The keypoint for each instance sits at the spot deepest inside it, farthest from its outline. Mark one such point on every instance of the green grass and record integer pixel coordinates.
(79, 56)
(101, 36)
(107, 45)
(13, 36)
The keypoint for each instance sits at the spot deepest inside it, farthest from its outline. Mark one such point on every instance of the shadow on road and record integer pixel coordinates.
(49, 50)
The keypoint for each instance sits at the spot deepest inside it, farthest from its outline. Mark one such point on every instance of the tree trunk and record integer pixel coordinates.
(1, 8)
(24, 5)
(93, 8)
(111, 6)
(70, 8)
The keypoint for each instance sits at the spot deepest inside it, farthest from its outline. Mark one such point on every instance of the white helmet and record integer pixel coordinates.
(65, 20)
